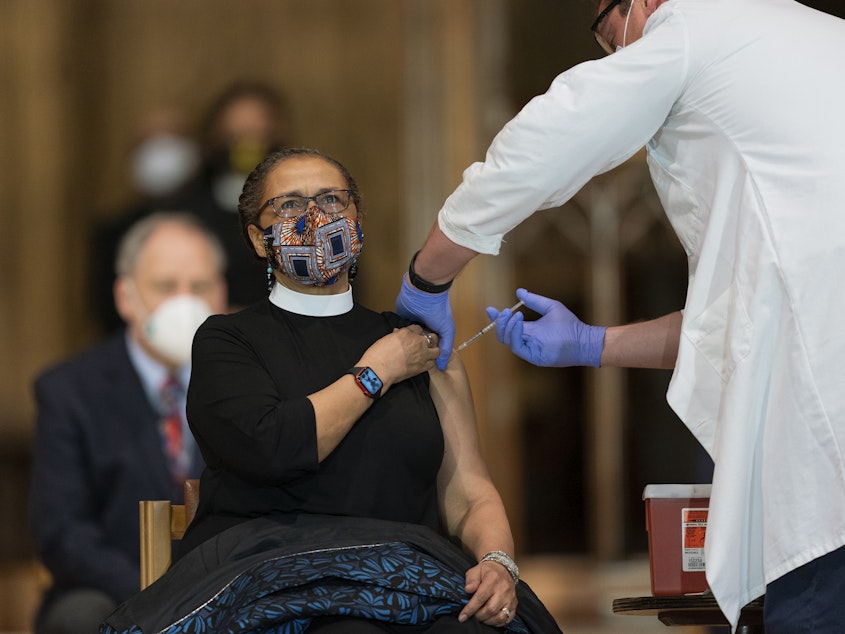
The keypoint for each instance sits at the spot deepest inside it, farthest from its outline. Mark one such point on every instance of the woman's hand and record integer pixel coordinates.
(493, 593)
(402, 354)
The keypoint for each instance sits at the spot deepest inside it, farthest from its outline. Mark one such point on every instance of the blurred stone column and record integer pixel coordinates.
(455, 51)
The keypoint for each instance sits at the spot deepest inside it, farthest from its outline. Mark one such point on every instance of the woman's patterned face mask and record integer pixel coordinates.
(315, 248)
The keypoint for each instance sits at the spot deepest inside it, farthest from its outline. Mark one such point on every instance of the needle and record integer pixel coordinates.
(486, 328)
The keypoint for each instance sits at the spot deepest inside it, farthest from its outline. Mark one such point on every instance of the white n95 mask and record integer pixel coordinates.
(162, 164)
(171, 328)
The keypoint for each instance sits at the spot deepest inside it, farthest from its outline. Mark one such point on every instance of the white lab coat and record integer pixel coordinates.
(741, 105)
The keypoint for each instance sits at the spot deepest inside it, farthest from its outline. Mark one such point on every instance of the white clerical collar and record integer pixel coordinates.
(311, 305)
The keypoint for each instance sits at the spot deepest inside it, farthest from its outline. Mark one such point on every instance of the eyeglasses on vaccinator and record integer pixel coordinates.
(605, 45)
(333, 201)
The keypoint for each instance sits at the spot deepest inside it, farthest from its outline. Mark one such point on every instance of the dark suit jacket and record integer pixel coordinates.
(97, 452)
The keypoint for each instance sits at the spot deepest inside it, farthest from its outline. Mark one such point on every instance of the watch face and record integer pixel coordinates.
(370, 380)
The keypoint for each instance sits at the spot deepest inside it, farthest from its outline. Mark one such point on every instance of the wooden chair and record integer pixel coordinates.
(161, 523)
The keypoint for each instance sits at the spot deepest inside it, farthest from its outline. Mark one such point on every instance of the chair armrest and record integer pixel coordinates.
(155, 524)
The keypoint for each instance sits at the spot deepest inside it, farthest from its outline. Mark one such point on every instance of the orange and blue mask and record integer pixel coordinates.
(315, 248)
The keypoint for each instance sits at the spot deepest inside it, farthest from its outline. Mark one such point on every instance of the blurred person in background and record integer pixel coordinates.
(245, 122)
(164, 157)
(111, 427)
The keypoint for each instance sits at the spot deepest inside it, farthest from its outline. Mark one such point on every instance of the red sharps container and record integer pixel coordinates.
(676, 521)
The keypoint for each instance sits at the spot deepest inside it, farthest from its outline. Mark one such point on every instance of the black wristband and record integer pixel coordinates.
(425, 285)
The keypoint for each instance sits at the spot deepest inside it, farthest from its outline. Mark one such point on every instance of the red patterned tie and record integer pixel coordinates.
(171, 430)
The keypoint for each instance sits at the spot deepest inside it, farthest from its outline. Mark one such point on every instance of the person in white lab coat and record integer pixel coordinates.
(739, 104)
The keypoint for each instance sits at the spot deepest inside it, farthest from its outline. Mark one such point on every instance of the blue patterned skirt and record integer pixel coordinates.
(274, 575)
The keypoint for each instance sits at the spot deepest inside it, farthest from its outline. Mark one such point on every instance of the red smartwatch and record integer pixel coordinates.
(368, 381)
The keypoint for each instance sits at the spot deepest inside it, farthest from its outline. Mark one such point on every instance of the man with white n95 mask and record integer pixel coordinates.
(111, 426)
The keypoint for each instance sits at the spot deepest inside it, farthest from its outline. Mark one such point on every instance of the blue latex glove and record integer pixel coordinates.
(431, 309)
(557, 339)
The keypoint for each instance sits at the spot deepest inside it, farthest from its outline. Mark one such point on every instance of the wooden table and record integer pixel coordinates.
(693, 609)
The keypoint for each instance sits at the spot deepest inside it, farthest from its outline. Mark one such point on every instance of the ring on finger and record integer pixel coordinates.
(507, 613)
(429, 339)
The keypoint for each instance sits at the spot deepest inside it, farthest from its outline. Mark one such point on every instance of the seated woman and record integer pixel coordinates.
(337, 456)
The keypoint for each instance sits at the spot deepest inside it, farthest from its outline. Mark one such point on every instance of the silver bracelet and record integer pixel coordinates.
(501, 557)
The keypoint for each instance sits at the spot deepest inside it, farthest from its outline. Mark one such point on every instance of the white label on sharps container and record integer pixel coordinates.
(694, 526)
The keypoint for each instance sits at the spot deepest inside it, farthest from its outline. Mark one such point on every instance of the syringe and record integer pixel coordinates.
(486, 328)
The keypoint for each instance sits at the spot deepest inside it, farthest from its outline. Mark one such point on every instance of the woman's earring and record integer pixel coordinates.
(270, 280)
(353, 270)
(268, 249)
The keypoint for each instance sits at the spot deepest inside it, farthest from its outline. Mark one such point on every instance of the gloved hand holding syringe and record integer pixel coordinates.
(557, 339)
(486, 329)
